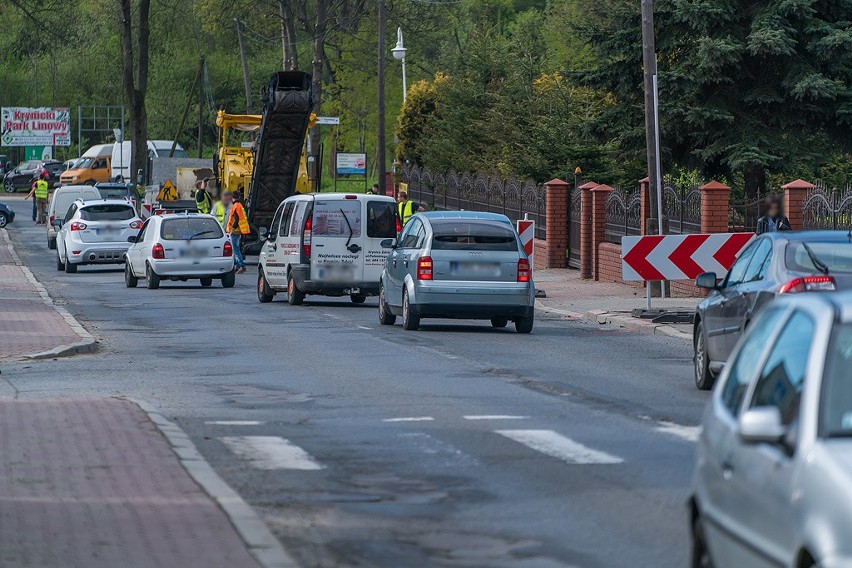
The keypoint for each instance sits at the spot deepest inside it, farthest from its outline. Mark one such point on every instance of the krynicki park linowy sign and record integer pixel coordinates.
(22, 126)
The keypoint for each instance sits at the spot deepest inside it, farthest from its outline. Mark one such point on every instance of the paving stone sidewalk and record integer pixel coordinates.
(92, 483)
(30, 323)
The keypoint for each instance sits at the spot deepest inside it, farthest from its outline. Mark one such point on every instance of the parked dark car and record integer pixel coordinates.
(772, 264)
(23, 176)
(6, 215)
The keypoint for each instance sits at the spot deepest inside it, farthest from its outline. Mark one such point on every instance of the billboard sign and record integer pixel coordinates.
(43, 126)
(351, 164)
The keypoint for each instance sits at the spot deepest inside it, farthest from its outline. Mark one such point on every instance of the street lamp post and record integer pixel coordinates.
(399, 53)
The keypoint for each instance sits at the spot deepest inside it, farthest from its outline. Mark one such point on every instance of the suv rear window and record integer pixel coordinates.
(190, 228)
(381, 219)
(473, 235)
(107, 213)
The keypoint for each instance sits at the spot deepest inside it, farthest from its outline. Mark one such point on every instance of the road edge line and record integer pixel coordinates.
(603, 317)
(87, 343)
(261, 543)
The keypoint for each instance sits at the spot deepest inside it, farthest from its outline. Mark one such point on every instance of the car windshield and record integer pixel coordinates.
(178, 153)
(83, 163)
(834, 254)
(836, 412)
(112, 192)
(472, 235)
(194, 228)
(107, 213)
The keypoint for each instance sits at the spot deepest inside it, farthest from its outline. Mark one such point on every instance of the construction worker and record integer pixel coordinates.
(39, 193)
(220, 211)
(237, 226)
(374, 190)
(407, 208)
(202, 197)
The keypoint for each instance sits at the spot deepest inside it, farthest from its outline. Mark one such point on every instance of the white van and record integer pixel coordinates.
(61, 200)
(120, 162)
(330, 244)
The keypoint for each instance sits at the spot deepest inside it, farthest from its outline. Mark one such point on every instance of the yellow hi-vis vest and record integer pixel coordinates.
(41, 189)
(218, 211)
(406, 210)
(204, 204)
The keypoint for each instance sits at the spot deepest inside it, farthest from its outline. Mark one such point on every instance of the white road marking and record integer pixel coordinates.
(271, 452)
(409, 419)
(494, 417)
(234, 422)
(363, 327)
(688, 433)
(558, 446)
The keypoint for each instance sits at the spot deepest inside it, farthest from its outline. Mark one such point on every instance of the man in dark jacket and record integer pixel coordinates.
(774, 220)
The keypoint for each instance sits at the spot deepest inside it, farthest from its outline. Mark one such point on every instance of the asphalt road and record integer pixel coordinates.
(363, 445)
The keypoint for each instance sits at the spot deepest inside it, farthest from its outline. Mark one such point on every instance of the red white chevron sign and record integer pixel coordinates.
(680, 257)
(526, 230)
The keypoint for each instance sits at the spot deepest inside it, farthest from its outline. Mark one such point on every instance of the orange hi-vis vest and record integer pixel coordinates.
(237, 221)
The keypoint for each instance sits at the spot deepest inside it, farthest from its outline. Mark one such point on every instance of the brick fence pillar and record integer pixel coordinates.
(556, 220)
(586, 229)
(599, 195)
(795, 193)
(715, 202)
(645, 205)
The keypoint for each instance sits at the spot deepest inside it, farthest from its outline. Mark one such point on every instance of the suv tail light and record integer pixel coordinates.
(424, 268)
(158, 251)
(78, 226)
(523, 270)
(136, 224)
(306, 237)
(227, 250)
(822, 283)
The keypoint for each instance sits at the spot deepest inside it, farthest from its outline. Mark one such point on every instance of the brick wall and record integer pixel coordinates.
(540, 253)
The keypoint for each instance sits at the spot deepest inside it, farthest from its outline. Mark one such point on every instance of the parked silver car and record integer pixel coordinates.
(773, 480)
(458, 264)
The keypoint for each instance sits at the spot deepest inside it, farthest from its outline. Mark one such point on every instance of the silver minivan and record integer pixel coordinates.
(773, 479)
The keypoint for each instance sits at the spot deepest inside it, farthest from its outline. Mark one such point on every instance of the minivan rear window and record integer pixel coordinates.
(381, 219)
(194, 228)
(473, 235)
(107, 213)
(337, 218)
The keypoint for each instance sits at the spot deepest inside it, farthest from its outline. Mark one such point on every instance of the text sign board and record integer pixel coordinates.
(348, 163)
(43, 126)
(329, 120)
(680, 257)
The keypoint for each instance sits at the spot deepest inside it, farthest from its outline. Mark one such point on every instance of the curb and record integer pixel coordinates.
(619, 319)
(87, 343)
(259, 540)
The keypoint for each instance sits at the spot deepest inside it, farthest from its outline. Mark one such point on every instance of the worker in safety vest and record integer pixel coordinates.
(236, 226)
(202, 197)
(220, 211)
(407, 208)
(39, 193)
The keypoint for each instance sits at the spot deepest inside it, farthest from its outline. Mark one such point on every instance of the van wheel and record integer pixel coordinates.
(499, 322)
(385, 316)
(358, 298)
(151, 278)
(229, 279)
(410, 321)
(206, 282)
(524, 325)
(703, 376)
(295, 297)
(129, 279)
(60, 266)
(264, 292)
(70, 267)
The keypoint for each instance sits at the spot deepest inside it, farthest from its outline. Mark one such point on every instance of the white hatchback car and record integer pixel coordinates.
(180, 246)
(95, 232)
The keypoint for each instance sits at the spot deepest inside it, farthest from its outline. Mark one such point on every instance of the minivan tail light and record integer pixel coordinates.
(158, 252)
(822, 283)
(523, 270)
(306, 237)
(228, 249)
(424, 268)
(78, 226)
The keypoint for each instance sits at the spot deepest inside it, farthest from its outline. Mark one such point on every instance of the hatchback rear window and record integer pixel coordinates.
(107, 213)
(381, 219)
(836, 255)
(190, 228)
(473, 235)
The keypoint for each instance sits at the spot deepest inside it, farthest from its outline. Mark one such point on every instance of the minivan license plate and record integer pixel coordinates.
(475, 269)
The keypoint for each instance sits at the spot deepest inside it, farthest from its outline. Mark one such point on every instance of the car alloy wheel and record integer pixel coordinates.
(151, 278)
(703, 376)
(385, 316)
(129, 279)
(9, 186)
(3, 219)
(700, 553)
(410, 321)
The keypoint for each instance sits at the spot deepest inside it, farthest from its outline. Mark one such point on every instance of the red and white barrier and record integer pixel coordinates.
(680, 257)
(526, 230)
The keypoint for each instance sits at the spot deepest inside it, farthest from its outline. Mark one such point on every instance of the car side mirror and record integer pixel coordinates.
(761, 425)
(388, 243)
(707, 280)
(57, 223)
(263, 233)
(133, 239)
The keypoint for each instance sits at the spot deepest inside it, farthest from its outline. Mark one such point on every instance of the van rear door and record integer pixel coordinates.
(337, 241)
(381, 224)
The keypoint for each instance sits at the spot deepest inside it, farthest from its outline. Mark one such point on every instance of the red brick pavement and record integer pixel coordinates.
(92, 483)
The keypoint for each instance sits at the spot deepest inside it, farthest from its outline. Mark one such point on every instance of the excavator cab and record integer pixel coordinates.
(235, 156)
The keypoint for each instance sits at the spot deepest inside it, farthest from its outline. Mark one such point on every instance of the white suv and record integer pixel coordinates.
(95, 232)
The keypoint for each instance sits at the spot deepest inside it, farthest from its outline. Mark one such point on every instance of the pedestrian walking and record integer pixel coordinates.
(774, 219)
(237, 226)
(407, 208)
(39, 193)
(31, 195)
(203, 200)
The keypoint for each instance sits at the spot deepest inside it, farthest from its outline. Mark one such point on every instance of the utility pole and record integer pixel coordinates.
(652, 135)
(185, 113)
(245, 65)
(380, 75)
(201, 109)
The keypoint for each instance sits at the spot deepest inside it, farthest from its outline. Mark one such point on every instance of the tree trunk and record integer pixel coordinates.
(290, 54)
(754, 181)
(136, 83)
(317, 66)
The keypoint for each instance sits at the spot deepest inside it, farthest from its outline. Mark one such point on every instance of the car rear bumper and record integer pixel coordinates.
(96, 253)
(203, 267)
(473, 300)
(302, 278)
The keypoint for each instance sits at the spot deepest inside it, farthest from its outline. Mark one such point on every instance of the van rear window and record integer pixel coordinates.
(191, 228)
(107, 213)
(337, 218)
(473, 235)
(381, 219)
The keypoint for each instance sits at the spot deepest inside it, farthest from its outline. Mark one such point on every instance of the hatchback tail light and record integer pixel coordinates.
(523, 270)
(424, 268)
(822, 283)
(306, 237)
(398, 226)
(78, 226)
(136, 225)
(227, 250)
(158, 251)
